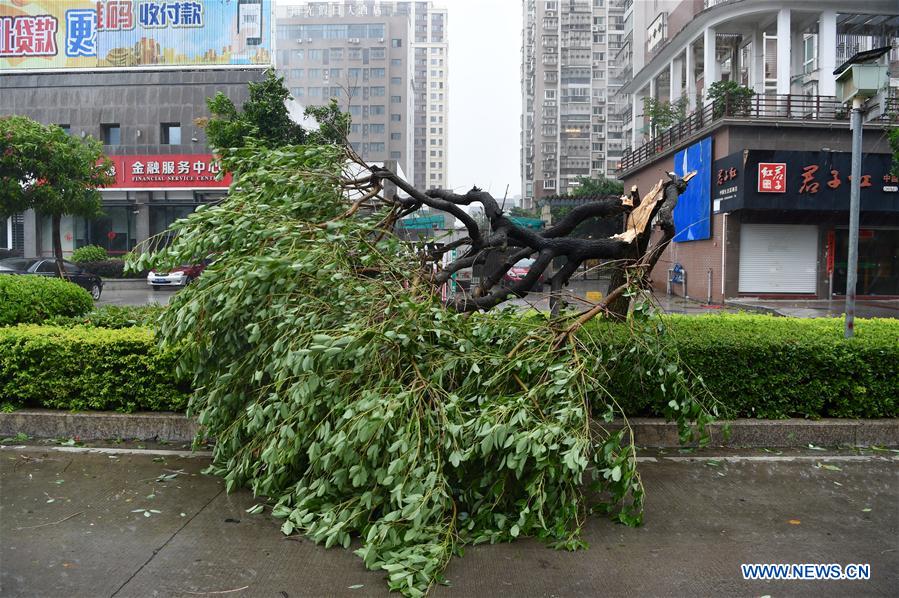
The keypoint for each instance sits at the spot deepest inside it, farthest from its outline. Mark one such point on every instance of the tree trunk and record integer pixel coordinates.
(57, 245)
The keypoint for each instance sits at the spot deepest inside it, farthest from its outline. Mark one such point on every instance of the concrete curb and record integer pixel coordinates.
(762, 309)
(649, 432)
(126, 284)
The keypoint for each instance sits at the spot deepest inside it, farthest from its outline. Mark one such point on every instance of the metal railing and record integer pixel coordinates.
(758, 108)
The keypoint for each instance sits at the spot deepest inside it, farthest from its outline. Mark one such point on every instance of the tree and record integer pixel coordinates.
(339, 381)
(729, 98)
(893, 135)
(45, 169)
(264, 117)
(599, 187)
(662, 114)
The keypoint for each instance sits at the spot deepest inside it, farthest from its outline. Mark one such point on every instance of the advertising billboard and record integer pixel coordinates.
(692, 212)
(92, 34)
(194, 171)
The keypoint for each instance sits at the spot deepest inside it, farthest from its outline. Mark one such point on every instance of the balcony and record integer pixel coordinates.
(762, 108)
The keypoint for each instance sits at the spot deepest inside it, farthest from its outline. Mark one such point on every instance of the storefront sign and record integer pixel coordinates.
(772, 177)
(814, 181)
(194, 171)
(66, 34)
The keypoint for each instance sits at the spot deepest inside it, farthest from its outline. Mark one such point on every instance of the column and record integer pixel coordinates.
(636, 119)
(690, 77)
(757, 62)
(674, 76)
(827, 53)
(32, 235)
(710, 62)
(784, 42)
(142, 222)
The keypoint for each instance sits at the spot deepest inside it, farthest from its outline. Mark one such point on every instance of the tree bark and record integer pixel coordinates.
(57, 245)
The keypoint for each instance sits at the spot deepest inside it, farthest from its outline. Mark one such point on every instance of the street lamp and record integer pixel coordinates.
(858, 79)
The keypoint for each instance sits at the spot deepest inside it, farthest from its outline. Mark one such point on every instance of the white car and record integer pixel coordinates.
(178, 277)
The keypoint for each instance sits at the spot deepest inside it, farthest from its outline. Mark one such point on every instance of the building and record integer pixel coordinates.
(767, 214)
(570, 126)
(137, 79)
(387, 64)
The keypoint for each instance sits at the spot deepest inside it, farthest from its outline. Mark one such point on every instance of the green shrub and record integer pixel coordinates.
(767, 367)
(112, 316)
(111, 268)
(88, 368)
(28, 299)
(89, 253)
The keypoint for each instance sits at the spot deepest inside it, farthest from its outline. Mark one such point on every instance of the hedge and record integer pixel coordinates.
(89, 253)
(768, 367)
(88, 368)
(112, 316)
(29, 299)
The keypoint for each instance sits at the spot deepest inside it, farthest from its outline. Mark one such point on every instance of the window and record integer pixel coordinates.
(378, 54)
(396, 136)
(315, 92)
(299, 54)
(67, 129)
(336, 73)
(396, 99)
(315, 55)
(396, 43)
(396, 62)
(377, 110)
(376, 146)
(396, 118)
(297, 92)
(378, 92)
(355, 128)
(296, 73)
(170, 134)
(377, 129)
(396, 155)
(112, 134)
(315, 73)
(396, 80)
(377, 73)
(336, 54)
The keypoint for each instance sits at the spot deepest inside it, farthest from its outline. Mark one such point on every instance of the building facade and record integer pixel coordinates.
(387, 64)
(135, 75)
(768, 212)
(570, 127)
(146, 120)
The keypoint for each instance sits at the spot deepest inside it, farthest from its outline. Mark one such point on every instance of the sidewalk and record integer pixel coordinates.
(73, 524)
(814, 308)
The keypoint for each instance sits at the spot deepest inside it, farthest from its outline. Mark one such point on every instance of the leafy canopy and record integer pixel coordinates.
(44, 168)
(337, 384)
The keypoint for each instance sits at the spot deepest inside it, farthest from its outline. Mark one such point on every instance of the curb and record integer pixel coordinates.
(126, 284)
(762, 309)
(648, 432)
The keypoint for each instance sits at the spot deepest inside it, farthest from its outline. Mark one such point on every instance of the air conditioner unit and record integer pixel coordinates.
(381, 40)
(308, 40)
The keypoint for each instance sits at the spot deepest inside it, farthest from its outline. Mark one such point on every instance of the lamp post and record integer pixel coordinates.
(858, 79)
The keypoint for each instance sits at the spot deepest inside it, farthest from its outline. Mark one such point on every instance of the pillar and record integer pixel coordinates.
(827, 53)
(636, 119)
(710, 62)
(31, 234)
(142, 220)
(690, 78)
(784, 43)
(757, 62)
(674, 77)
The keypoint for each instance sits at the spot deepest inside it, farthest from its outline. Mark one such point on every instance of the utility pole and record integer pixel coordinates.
(854, 201)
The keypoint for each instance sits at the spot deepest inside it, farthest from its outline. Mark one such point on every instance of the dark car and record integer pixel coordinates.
(92, 283)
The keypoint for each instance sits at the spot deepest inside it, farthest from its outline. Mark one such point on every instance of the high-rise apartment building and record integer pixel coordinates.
(569, 80)
(387, 64)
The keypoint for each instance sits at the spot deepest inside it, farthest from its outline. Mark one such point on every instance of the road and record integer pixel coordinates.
(135, 297)
(87, 524)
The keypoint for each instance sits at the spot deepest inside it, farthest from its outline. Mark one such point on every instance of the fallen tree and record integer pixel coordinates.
(342, 386)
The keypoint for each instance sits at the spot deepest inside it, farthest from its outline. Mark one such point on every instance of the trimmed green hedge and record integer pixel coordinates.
(89, 253)
(769, 367)
(111, 268)
(112, 316)
(88, 368)
(28, 299)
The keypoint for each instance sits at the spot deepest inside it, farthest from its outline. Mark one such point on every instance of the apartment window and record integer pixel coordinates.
(299, 54)
(396, 43)
(396, 118)
(377, 147)
(112, 134)
(297, 92)
(377, 73)
(336, 73)
(378, 110)
(355, 128)
(315, 92)
(315, 55)
(67, 129)
(396, 136)
(396, 99)
(396, 62)
(336, 54)
(377, 129)
(170, 134)
(354, 74)
(396, 80)
(315, 73)
(396, 155)
(378, 53)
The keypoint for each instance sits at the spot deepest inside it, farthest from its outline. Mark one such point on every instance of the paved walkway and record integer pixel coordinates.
(136, 525)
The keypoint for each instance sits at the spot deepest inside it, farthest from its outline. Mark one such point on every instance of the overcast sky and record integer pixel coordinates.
(484, 94)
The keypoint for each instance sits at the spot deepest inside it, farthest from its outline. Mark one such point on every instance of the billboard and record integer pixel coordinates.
(91, 34)
(692, 212)
(168, 171)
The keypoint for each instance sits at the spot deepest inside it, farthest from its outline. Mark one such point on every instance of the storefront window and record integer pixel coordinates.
(878, 262)
(161, 217)
(114, 230)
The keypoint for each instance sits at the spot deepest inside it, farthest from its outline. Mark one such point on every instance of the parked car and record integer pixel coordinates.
(90, 282)
(519, 271)
(179, 277)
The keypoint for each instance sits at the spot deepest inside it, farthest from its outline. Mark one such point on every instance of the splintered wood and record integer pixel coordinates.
(639, 219)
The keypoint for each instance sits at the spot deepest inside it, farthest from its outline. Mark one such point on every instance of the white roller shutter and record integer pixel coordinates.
(778, 258)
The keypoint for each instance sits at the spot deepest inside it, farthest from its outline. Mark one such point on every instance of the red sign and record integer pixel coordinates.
(772, 177)
(831, 248)
(193, 171)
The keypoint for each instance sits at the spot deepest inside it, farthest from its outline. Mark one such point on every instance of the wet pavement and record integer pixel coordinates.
(135, 297)
(864, 308)
(125, 523)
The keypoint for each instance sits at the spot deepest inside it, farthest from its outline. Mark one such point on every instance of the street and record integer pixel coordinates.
(148, 523)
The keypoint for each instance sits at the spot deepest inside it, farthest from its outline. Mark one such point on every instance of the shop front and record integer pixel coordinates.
(150, 192)
(792, 213)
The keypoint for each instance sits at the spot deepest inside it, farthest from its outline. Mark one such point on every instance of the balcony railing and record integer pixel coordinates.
(760, 108)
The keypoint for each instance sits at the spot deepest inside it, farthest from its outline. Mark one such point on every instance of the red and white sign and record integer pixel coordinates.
(772, 177)
(190, 171)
